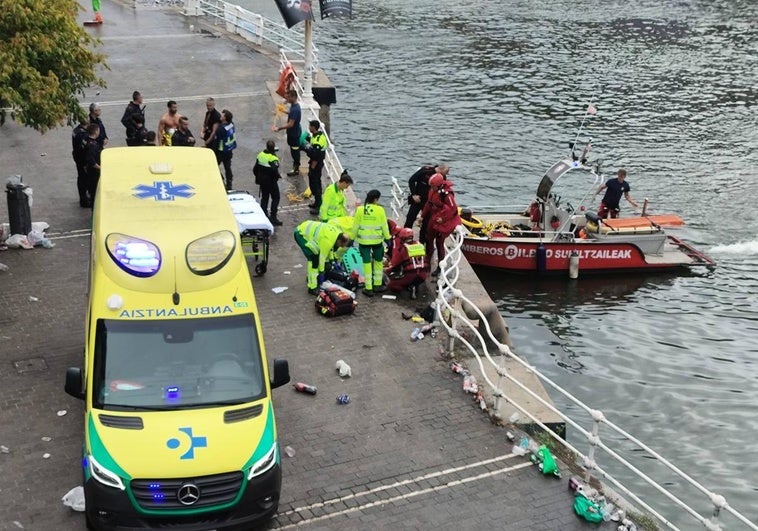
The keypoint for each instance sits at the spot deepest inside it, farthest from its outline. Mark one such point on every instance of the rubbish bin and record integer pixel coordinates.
(18, 209)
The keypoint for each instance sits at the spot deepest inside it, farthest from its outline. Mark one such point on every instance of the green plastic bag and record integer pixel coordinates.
(587, 509)
(549, 466)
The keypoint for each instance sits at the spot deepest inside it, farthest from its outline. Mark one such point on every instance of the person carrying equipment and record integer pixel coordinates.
(407, 267)
(333, 203)
(318, 241)
(370, 230)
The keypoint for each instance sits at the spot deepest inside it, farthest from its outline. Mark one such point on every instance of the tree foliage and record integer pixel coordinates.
(46, 60)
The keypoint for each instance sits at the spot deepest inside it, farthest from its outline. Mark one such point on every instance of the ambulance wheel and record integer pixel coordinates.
(260, 269)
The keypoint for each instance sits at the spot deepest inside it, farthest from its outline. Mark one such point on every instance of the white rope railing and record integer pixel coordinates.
(450, 301)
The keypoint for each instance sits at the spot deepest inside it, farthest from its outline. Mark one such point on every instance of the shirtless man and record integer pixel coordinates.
(168, 124)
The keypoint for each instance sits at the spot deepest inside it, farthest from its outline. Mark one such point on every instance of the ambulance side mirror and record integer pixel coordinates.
(281, 373)
(74, 382)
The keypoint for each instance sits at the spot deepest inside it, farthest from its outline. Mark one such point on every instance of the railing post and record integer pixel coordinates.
(589, 462)
(308, 74)
(192, 8)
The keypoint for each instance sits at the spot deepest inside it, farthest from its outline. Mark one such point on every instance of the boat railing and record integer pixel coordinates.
(585, 420)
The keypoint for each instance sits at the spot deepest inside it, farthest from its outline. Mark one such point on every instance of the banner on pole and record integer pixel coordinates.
(294, 11)
(336, 8)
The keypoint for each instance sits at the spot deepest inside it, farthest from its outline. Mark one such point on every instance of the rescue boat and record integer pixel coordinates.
(552, 236)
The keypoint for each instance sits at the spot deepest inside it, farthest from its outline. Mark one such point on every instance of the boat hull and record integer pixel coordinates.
(594, 257)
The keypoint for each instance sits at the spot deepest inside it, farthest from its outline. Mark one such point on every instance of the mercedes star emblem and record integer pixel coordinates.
(188, 494)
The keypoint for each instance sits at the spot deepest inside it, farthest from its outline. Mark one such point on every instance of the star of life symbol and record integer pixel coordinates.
(163, 191)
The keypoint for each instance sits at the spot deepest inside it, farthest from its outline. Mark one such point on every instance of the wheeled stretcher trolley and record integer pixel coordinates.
(255, 228)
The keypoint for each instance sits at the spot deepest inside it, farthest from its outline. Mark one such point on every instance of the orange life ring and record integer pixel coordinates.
(286, 79)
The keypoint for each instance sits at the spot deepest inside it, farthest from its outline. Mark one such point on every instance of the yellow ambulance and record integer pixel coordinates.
(179, 426)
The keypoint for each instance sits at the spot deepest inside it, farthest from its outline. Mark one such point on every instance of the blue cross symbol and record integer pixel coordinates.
(163, 191)
(195, 442)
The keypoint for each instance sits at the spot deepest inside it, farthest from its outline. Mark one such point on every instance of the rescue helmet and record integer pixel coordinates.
(436, 180)
(405, 234)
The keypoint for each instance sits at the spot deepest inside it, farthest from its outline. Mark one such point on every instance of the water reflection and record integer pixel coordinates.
(559, 296)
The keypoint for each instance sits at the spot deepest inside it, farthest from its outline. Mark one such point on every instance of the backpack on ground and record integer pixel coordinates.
(332, 301)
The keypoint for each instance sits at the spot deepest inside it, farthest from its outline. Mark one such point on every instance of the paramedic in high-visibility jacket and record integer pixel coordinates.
(318, 241)
(333, 202)
(370, 231)
(407, 267)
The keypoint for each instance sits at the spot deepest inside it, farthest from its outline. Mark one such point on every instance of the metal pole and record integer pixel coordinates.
(308, 77)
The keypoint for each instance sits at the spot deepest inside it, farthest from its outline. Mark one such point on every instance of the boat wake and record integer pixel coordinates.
(741, 248)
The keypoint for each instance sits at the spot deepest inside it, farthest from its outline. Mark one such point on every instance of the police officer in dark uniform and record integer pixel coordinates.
(266, 171)
(79, 153)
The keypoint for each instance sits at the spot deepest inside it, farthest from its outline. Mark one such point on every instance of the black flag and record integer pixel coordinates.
(336, 8)
(294, 11)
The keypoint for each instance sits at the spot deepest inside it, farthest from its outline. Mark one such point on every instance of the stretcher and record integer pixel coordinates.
(254, 227)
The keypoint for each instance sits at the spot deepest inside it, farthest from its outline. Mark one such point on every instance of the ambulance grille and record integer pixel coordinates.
(237, 415)
(125, 423)
(157, 494)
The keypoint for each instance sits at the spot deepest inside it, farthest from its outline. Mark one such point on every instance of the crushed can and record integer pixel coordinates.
(343, 399)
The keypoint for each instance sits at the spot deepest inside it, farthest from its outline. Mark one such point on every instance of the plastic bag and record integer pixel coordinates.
(547, 461)
(587, 509)
(35, 237)
(74, 499)
(18, 240)
(344, 369)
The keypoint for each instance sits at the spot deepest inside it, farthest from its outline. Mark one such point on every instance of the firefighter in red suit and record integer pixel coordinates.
(407, 266)
(441, 211)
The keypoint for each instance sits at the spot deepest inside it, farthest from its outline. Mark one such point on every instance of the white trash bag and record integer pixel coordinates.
(74, 499)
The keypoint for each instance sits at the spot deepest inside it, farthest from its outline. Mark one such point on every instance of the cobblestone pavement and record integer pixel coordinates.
(409, 452)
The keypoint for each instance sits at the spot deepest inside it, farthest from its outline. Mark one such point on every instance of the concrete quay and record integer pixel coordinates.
(411, 450)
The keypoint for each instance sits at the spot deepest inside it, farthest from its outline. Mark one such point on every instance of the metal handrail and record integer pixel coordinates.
(256, 28)
(450, 301)
(398, 201)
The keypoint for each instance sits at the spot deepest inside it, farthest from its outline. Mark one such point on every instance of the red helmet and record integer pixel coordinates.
(392, 226)
(436, 180)
(405, 233)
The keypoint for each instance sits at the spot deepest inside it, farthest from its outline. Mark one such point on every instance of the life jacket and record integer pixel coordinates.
(416, 256)
(229, 141)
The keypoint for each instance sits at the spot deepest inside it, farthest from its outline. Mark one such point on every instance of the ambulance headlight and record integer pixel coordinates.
(103, 475)
(135, 256)
(264, 463)
(210, 253)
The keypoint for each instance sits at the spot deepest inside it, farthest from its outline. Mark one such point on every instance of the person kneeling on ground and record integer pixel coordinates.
(318, 241)
(407, 267)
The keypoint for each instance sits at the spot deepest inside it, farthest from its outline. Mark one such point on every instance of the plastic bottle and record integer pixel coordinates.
(457, 368)
(574, 483)
(301, 387)
(415, 334)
